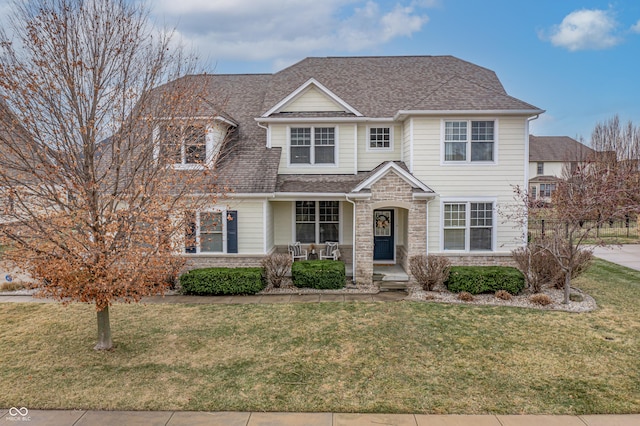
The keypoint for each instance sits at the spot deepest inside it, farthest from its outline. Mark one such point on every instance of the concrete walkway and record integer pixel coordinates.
(175, 418)
(626, 255)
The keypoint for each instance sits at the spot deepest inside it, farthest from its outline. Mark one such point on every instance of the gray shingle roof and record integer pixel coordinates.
(557, 148)
(382, 86)
(375, 86)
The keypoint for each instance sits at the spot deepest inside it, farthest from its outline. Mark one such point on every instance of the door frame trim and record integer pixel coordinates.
(395, 238)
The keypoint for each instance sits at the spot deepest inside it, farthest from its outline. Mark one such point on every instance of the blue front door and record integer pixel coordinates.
(383, 245)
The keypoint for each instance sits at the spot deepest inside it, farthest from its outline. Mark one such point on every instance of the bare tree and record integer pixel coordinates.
(589, 195)
(97, 210)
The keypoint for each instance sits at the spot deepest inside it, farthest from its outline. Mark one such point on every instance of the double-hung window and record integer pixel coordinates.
(183, 145)
(468, 226)
(317, 221)
(312, 145)
(469, 141)
(547, 189)
(540, 168)
(380, 138)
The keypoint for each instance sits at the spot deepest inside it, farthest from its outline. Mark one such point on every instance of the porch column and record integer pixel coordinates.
(364, 243)
(417, 231)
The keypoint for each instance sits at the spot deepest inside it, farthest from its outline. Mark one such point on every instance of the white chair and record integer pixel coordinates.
(330, 251)
(297, 252)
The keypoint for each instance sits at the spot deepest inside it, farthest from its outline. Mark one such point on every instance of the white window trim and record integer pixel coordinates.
(336, 149)
(391, 128)
(210, 150)
(224, 231)
(467, 239)
(468, 161)
(317, 222)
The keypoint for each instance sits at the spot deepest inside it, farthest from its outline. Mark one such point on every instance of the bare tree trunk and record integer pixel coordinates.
(567, 287)
(104, 331)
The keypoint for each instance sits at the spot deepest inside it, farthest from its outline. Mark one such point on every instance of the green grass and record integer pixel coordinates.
(341, 357)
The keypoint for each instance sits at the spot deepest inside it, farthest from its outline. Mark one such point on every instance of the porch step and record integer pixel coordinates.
(391, 285)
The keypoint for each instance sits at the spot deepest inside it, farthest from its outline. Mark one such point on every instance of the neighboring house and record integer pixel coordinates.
(389, 156)
(549, 158)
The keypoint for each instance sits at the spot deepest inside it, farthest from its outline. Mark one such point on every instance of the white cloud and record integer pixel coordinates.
(284, 30)
(586, 30)
(636, 28)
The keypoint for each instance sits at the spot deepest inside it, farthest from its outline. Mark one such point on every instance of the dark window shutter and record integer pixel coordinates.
(232, 231)
(190, 234)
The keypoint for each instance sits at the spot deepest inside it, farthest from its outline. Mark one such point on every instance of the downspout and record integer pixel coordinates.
(353, 250)
(268, 129)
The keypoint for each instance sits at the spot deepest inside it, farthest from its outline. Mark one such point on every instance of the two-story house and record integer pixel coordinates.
(549, 158)
(389, 156)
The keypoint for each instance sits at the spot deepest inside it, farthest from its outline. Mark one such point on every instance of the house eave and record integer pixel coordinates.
(289, 196)
(403, 114)
(324, 119)
(425, 196)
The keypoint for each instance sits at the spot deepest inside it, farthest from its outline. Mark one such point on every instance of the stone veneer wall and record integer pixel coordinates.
(470, 259)
(221, 260)
(389, 191)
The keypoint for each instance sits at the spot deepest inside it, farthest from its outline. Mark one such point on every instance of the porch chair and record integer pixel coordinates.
(330, 251)
(297, 252)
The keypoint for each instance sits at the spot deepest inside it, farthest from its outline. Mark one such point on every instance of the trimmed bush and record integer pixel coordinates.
(319, 274)
(485, 279)
(219, 281)
(503, 295)
(429, 271)
(465, 296)
(540, 299)
(275, 268)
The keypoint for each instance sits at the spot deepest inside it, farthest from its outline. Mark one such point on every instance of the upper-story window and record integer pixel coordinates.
(469, 141)
(183, 144)
(380, 138)
(312, 145)
(540, 168)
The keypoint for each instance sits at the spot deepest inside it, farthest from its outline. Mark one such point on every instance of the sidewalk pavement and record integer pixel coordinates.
(386, 296)
(176, 418)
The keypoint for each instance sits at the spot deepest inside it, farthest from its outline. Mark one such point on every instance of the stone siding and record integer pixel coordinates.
(467, 259)
(221, 260)
(388, 192)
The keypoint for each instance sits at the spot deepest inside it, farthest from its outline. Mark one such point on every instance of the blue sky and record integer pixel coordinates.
(578, 60)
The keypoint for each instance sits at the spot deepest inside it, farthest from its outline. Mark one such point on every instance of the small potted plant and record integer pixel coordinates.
(312, 248)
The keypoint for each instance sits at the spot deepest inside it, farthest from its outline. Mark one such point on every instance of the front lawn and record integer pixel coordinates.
(342, 357)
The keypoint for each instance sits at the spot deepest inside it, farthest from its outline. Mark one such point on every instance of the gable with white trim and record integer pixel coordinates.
(312, 94)
(312, 100)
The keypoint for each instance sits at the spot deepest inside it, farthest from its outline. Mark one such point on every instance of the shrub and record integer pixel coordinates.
(536, 265)
(319, 274)
(465, 296)
(503, 295)
(540, 299)
(540, 267)
(581, 263)
(275, 267)
(429, 270)
(218, 281)
(485, 279)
